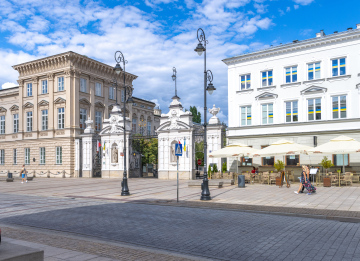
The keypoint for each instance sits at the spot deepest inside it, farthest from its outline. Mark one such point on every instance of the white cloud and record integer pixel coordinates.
(8, 85)
(288, 9)
(303, 2)
(260, 8)
(38, 24)
(296, 7)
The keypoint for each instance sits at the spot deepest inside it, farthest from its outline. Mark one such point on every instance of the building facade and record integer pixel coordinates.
(42, 117)
(306, 91)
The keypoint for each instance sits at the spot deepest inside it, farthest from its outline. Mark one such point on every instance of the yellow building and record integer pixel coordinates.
(41, 118)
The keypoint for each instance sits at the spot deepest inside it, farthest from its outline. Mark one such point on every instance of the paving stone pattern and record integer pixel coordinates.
(218, 234)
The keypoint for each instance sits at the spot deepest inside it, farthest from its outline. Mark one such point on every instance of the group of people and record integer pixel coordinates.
(305, 181)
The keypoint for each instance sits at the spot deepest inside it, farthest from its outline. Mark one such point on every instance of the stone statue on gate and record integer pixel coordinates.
(114, 154)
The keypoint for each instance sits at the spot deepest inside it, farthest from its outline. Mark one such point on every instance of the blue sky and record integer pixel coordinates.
(156, 35)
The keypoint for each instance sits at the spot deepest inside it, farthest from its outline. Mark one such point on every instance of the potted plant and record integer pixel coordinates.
(278, 165)
(326, 164)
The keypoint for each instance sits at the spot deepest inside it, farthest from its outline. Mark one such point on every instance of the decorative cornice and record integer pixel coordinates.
(295, 46)
(51, 76)
(84, 101)
(313, 89)
(2, 109)
(59, 100)
(28, 105)
(99, 104)
(43, 103)
(266, 95)
(14, 108)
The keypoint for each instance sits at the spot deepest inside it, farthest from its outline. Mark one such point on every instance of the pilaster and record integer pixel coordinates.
(35, 89)
(52, 115)
(70, 98)
(92, 97)
(21, 109)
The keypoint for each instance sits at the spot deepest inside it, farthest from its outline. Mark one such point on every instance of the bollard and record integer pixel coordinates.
(241, 181)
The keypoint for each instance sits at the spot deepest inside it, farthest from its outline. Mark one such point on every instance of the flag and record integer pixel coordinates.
(98, 146)
(184, 144)
(104, 146)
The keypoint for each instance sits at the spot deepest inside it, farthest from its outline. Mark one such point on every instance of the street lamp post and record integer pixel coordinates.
(174, 79)
(119, 57)
(200, 49)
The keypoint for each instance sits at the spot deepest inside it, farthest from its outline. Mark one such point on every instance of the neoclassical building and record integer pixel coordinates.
(305, 91)
(41, 118)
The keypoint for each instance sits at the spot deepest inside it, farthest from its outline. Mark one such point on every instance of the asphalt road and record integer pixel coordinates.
(216, 234)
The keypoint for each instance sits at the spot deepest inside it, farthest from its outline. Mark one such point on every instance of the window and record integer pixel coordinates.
(27, 156)
(338, 67)
(245, 161)
(29, 121)
(83, 87)
(44, 120)
(291, 111)
(2, 157)
(2, 124)
(98, 120)
(339, 107)
(61, 118)
(42, 156)
(29, 89)
(292, 160)
(314, 109)
(16, 123)
(341, 159)
(267, 161)
(44, 88)
(313, 71)
(134, 122)
(245, 82)
(82, 118)
(267, 78)
(15, 156)
(61, 84)
(98, 89)
(112, 93)
(245, 115)
(291, 74)
(122, 95)
(267, 113)
(59, 155)
(149, 127)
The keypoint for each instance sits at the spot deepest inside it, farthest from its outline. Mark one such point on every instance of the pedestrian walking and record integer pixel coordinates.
(23, 174)
(305, 181)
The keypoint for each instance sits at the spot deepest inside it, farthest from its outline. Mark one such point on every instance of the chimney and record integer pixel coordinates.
(349, 29)
(320, 34)
(358, 26)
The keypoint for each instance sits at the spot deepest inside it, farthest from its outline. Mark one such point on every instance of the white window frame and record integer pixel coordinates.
(83, 115)
(83, 85)
(267, 78)
(247, 81)
(61, 118)
(16, 122)
(314, 109)
(98, 120)
(61, 84)
(314, 71)
(29, 121)
(339, 108)
(29, 89)
(44, 120)
(42, 156)
(15, 156)
(293, 73)
(2, 124)
(98, 87)
(112, 93)
(27, 156)
(44, 87)
(269, 116)
(2, 157)
(338, 66)
(58, 155)
(247, 113)
(292, 113)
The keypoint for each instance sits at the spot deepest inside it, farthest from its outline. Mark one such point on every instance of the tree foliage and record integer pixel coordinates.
(224, 167)
(199, 152)
(148, 148)
(279, 165)
(196, 115)
(326, 163)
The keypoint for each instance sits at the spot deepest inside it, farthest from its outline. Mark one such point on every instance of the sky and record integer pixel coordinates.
(157, 35)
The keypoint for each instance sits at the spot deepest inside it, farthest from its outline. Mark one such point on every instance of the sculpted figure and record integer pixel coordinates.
(114, 154)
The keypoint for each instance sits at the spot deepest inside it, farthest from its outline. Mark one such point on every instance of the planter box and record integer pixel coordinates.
(327, 182)
(278, 181)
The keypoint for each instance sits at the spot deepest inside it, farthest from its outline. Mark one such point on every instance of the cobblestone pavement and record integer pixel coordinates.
(207, 233)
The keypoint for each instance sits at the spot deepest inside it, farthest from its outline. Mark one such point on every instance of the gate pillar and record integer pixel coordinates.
(89, 150)
(175, 126)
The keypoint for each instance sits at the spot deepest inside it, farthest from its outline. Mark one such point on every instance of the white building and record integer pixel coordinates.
(306, 91)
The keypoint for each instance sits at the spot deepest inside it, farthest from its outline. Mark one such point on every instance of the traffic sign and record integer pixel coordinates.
(178, 149)
(199, 162)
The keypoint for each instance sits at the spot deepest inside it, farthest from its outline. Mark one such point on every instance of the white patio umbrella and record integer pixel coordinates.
(236, 150)
(340, 145)
(282, 147)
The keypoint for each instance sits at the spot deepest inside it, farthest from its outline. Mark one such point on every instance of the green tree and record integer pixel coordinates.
(279, 165)
(326, 163)
(209, 171)
(199, 152)
(196, 115)
(215, 169)
(148, 148)
(224, 167)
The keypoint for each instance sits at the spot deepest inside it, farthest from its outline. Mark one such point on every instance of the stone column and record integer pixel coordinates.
(21, 102)
(76, 97)
(88, 149)
(52, 115)
(92, 97)
(70, 99)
